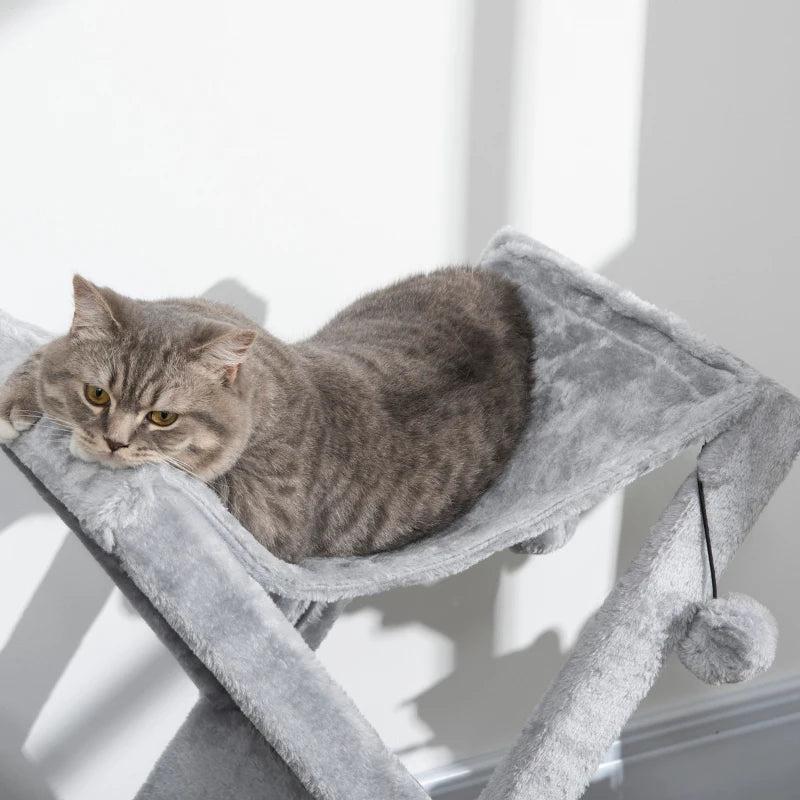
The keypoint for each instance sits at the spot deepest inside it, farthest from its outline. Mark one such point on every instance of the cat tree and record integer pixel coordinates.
(620, 389)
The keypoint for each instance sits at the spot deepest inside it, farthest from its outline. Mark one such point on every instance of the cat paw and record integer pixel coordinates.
(7, 432)
(13, 420)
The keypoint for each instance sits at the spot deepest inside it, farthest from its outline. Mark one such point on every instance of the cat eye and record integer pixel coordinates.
(96, 395)
(162, 418)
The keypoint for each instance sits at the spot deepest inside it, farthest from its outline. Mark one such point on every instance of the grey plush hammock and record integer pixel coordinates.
(621, 388)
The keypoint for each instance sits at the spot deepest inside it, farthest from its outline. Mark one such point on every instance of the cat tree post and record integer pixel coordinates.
(620, 652)
(214, 750)
(232, 625)
(620, 388)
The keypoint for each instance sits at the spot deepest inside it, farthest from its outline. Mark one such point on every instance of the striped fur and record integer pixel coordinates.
(377, 430)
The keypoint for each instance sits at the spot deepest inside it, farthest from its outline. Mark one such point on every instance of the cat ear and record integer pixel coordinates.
(223, 355)
(93, 316)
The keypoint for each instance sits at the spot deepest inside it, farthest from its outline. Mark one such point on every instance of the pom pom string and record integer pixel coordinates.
(704, 515)
(728, 639)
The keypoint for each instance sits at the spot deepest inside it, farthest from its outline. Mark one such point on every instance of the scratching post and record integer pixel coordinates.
(620, 388)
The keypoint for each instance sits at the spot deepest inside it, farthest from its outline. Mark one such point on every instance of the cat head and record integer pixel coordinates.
(149, 381)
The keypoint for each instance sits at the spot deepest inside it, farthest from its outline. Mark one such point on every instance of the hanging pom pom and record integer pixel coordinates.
(730, 639)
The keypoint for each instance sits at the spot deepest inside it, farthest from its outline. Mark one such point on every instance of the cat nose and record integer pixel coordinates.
(112, 445)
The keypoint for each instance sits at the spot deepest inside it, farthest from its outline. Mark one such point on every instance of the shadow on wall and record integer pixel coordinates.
(19, 497)
(44, 640)
(488, 167)
(233, 293)
(485, 697)
(717, 235)
(65, 605)
(717, 239)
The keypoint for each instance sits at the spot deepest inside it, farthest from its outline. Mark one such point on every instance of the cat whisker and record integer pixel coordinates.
(47, 424)
(36, 413)
(44, 419)
(60, 425)
(184, 468)
(54, 429)
(175, 459)
(178, 464)
(191, 474)
(180, 461)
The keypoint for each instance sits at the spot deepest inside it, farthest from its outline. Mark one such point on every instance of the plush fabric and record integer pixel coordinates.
(730, 639)
(217, 754)
(621, 650)
(621, 388)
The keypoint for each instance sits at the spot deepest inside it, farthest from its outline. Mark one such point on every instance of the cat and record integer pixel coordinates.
(379, 429)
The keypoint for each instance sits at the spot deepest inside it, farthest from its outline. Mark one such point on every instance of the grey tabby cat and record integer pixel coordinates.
(377, 430)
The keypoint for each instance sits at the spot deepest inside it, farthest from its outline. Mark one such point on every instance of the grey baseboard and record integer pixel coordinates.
(743, 745)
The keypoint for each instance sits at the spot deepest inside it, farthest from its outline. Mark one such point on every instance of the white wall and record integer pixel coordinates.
(312, 152)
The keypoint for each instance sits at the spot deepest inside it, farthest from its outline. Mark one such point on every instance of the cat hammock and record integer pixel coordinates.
(620, 389)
